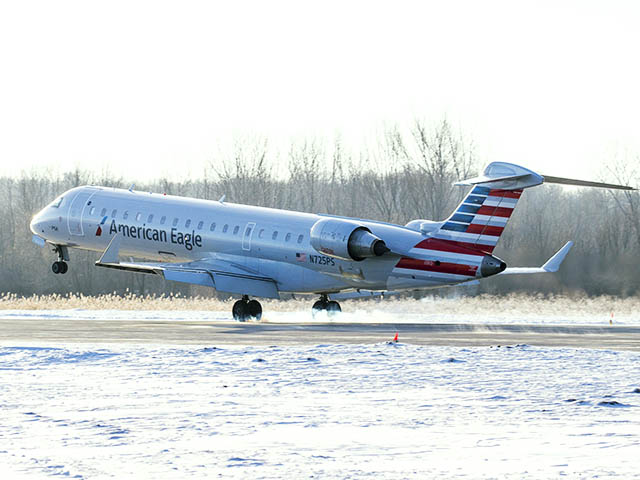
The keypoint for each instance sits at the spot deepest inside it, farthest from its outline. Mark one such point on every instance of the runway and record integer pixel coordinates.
(55, 330)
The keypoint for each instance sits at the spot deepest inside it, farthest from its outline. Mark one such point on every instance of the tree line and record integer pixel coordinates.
(404, 176)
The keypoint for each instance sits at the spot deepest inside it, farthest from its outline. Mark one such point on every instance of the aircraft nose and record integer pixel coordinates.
(37, 224)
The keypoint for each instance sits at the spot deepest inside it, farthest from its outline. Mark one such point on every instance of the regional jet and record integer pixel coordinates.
(264, 252)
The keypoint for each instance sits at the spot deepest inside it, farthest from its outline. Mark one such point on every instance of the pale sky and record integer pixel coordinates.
(156, 88)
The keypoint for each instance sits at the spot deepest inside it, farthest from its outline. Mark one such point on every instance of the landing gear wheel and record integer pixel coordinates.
(240, 311)
(254, 309)
(318, 307)
(59, 267)
(333, 308)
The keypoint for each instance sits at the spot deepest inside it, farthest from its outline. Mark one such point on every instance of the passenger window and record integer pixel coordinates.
(125, 215)
(288, 237)
(225, 228)
(175, 222)
(261, 233)
(187, 223)
(212, 227)
(114, 213)
(150, 218)
(275, 235)
(92, 211)
(300, 237)
(103, 212)
(247, 232)
(138, 217)
(235, 230)
(163, 219)
(200, 225)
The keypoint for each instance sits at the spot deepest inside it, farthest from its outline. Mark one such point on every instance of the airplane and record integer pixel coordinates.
(264, 252)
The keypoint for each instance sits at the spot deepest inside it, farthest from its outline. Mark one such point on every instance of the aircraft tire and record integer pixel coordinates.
(239, 311)
(65, 268)
(333, 308)
(254, 309)
(317, 307)
(56, 267)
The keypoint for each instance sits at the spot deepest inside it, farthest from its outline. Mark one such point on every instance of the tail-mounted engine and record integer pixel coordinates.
(346, 240)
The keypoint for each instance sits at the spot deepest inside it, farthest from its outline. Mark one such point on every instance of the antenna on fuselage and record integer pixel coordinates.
(222, 198)
(131, 187)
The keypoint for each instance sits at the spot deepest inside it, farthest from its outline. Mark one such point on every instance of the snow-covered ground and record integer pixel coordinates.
(325, 411)
(350, 315)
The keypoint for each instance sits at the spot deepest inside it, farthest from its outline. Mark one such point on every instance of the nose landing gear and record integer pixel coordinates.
(60, 267)
(324, 304)
(246, 309)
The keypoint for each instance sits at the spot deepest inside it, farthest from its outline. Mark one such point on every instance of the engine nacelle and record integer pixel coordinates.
(345, 239)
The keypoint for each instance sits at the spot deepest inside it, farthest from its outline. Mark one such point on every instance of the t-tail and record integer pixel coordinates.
(472, 232)
(482, 216)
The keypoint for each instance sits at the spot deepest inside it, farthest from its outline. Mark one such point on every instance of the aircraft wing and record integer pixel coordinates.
(218, 274)
(550, 266)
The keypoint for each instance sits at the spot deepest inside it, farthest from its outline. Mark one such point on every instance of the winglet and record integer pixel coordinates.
(111, 254)
(553, 264)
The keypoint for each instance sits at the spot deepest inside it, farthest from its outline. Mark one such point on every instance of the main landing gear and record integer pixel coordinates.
(246, 309)
(60, 267)
(330, 306)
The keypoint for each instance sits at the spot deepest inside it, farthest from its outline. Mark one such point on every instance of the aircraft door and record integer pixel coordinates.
(76, 212)
(246, 237)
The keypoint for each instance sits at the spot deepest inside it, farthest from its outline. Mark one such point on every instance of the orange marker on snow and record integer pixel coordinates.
(395, 339)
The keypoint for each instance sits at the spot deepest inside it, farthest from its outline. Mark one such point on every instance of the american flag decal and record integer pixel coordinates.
(301, 257)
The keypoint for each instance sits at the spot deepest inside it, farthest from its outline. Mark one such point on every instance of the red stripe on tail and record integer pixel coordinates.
(485, 229)
(454, 246)
(505, 193)
(495, 211)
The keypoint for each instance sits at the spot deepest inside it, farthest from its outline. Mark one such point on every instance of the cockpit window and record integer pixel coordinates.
(56, 203)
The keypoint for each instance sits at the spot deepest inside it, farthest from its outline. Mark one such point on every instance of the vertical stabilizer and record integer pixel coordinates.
(480, 219)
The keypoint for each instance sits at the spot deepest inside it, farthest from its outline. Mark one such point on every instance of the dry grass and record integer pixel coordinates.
(521, 304)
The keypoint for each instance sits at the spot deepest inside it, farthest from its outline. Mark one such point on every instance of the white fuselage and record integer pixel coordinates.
(270, 242)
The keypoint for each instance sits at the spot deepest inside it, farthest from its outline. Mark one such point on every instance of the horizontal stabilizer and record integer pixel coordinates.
(486, 179)
(552, 265)
(508, 176)
(584, 183)
(505, 176)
